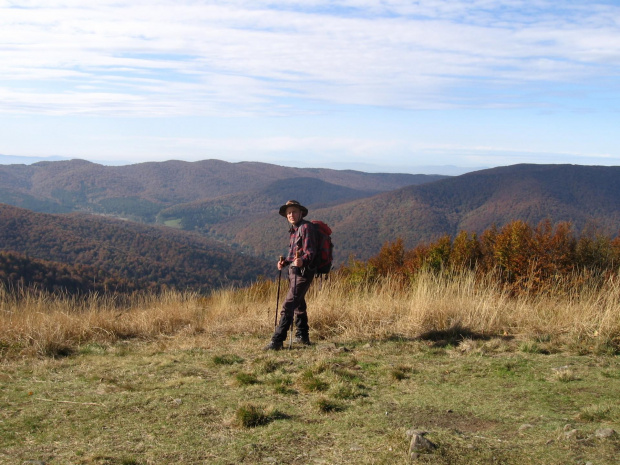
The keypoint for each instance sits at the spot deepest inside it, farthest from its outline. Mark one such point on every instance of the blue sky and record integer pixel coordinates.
(387, 85)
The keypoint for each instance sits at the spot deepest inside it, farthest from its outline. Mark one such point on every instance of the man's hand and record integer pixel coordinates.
(281, 263)
(298, 262)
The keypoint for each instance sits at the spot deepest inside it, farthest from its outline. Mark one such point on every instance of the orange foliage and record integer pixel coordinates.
(390, 259)
(466, 250)
(527, 259)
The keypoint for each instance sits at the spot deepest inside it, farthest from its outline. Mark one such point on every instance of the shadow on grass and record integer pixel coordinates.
(57, 350)
(455, 335)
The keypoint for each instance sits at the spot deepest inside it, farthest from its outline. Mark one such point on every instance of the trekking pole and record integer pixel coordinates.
(290, 344)
(275, 323)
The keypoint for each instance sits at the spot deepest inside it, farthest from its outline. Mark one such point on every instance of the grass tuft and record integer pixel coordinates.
(93, 349)
(400, 373)
(595, 413)
(326, 405)
(270, 366)
(531, 347)
(346, 391)
(227, 359)
(564, 375)
(251, 416)
(311, 383)
(282, 385)
(246, 379)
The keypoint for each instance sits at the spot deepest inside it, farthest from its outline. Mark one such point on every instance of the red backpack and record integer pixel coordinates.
(324, 256)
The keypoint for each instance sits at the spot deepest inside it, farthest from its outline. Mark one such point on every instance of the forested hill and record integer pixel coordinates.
(244, 218)
(202, 215)
(18, 271)
(127, 254)
(586, 196)
(140, 191)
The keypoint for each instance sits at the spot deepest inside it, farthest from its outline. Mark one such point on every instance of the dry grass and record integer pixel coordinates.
(38, 323)
(433, 306)
(460, 303)
(178, 377)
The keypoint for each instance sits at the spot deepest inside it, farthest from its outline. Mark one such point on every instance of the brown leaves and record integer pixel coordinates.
(524, 258)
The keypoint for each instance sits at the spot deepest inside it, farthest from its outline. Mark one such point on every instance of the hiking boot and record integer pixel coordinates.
(304, 340)
(273, 345)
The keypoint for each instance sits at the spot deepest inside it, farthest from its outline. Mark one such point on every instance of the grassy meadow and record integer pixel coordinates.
(492, 377)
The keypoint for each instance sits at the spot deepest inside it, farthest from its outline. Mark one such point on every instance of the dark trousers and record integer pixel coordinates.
(294, 304)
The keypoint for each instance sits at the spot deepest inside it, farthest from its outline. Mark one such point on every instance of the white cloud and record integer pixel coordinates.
(185, 57)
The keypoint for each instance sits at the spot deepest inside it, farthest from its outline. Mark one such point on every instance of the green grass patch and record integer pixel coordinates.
(531, 347)
(326, 405)
(174, 223)
(227, 359)
(268, 366)
(251, 416)
(312, 383)
(93, 349)
(596, 413)
(347, 391)
(283, 385)
(246, 379)
(400, 373)
(158, 404)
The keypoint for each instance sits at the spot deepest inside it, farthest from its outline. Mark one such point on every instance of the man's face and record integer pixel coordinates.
(293, 215)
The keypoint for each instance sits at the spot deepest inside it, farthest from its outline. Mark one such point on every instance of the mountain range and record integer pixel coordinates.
(226, 213)
(586, 196)
(141, 191)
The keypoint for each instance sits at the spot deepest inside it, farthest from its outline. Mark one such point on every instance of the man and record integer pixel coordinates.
(301, 253)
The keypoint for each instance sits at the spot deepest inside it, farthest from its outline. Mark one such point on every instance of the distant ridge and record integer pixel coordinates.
(140, 191)
(19, 160)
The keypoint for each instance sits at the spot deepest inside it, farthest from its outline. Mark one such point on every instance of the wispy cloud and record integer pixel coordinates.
(184, 57)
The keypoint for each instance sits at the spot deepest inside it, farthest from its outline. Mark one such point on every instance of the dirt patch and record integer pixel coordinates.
(430, 419)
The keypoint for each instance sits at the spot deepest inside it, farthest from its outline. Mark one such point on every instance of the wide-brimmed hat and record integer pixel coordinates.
(293, 203)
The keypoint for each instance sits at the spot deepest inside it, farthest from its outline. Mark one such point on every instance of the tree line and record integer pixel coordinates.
(18, 271)
(129, 255)
(523, 257)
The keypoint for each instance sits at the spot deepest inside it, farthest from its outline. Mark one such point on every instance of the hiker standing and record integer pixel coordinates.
(301, 253)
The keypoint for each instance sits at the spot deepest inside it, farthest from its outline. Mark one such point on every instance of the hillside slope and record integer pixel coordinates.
(144, 256)
(582, 195)
(202, 215)
(18, 271)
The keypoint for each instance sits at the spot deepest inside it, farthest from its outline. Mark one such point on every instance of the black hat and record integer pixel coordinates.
(293, 203)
